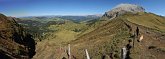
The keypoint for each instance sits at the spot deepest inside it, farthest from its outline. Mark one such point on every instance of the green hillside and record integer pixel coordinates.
(105, 38)
(149, 20)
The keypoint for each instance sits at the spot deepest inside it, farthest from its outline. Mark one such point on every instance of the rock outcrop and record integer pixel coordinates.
(15, 43)
(122, 9)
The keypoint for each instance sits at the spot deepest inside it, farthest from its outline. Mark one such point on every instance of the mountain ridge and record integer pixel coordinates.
(110, 35)
(117, 34)
(125, 29)
(14, 41)
(122, 9)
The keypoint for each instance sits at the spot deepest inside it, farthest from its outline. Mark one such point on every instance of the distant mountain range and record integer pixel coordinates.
(121, 27)
(125, 32)
(74, 18)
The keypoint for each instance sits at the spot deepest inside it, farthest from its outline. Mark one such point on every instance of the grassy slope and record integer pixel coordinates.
(69, 30)
(108, 38)
(62, 35)
(148, 20)
(104, 40)
(112, 36)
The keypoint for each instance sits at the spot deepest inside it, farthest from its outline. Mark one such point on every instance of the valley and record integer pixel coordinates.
(126, 26)
(107, 37)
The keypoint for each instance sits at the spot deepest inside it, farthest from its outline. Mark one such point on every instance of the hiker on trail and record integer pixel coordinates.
(137, 31)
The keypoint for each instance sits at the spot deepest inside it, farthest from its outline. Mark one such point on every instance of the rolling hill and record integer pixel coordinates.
(108, 39)
(126, 26)
(105, 37)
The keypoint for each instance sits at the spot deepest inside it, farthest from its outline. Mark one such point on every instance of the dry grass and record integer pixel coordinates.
(107, 38)
(148, 20)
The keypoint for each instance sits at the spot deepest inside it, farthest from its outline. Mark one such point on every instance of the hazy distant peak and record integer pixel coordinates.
(123, 8)
(99, 15)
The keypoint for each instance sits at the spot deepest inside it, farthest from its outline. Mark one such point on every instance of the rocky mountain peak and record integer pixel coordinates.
(124, 8)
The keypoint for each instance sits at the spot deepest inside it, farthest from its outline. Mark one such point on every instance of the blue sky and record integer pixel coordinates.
(20, 8)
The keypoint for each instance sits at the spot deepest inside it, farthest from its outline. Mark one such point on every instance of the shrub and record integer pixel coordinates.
(161, 49)
(151, 47)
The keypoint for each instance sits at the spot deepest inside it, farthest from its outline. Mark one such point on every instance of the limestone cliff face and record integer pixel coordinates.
(14, 41)
(122, 9)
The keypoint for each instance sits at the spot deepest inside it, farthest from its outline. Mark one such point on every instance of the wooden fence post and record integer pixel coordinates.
(123, 52)
(134, 38)
(87, 55)
(69, 54)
